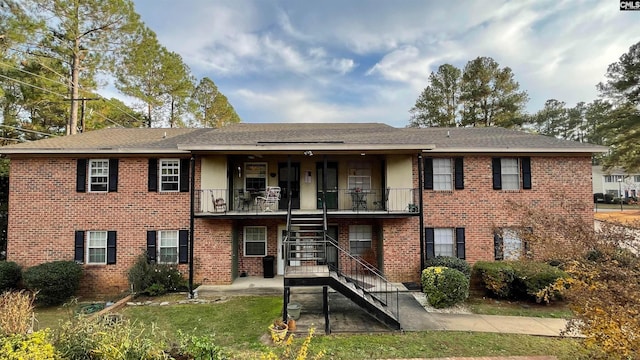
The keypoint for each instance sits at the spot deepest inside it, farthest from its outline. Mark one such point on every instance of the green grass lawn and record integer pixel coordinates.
(240, 325)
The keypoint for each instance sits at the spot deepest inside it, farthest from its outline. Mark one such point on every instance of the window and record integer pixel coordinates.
(509, 244)
(613, 178)
(101, 175)
(98, 175)
(169, 175)
(255, 176)
(359, 175)
(96, 247)
(509, 172)
(445, 242)
(360, 239)
(443, 174)
(255, 241)
(636, 178)
(168, 247)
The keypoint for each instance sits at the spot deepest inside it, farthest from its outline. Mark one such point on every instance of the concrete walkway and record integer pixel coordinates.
(349, 318)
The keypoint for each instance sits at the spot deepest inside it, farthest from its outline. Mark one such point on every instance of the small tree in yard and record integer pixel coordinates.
(604, 285)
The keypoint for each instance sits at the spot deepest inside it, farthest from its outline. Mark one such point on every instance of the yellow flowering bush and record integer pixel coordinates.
(35, 346)
(444, 286)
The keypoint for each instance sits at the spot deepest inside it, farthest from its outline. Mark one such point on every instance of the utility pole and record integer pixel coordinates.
(82, 109)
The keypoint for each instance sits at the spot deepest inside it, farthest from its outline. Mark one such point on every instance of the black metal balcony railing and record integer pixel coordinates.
(390, 200)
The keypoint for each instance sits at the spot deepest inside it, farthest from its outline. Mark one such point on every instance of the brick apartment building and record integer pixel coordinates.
(198, 198)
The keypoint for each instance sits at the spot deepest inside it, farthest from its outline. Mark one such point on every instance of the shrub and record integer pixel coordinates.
(496, 277)
(86, 338)
(35, 346)
(54, 282)
(17, 313)
(533, 277)
(10, 274)
(155, 279)
(450, 262)
(444, 286)
(198, 347)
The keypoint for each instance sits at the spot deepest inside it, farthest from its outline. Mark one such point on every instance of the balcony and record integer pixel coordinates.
(383, 202)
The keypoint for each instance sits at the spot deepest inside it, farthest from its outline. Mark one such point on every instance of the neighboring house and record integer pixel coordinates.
(347, 192)
(615, 182)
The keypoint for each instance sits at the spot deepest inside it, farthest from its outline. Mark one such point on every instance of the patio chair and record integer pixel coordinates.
(270, 200)
(219, 205)
(382, 203)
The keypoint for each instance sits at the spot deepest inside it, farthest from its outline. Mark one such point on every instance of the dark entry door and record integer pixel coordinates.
(283, 175)
(332, 184)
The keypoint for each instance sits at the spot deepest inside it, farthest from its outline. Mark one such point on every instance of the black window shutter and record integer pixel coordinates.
(429, 238)
(459, 173)
(79, 247)
(497, 173)
(428, 173)
(81, 176)
(184, 175)
(111, 247)
(526, 172)
(460, 243)
(183, 246)
(153, 174)
(526, 245)
(151, 246)
(113, 175)
(497, 246)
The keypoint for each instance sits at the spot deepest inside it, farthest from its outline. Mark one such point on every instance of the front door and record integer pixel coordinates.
(282, 233)
(332, 184)
(283, 175)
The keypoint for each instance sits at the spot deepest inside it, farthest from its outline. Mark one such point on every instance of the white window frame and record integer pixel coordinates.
(172, 167)
(93, 236)
(101, 166)
(442, 174)
(256, 170)
(360, 239)
(248, 238)
(444, 242)
(509, 173)
(166, 235)
(359, 176)
(512, 244)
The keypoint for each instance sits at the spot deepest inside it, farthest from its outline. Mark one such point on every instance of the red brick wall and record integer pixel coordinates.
(45, 210)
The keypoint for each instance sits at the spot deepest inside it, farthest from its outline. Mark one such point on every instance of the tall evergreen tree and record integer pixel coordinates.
(212, 109)
(623, 89)
(490, 95)
(439, 102)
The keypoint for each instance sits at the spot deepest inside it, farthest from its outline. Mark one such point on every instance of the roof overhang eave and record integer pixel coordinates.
(304, 147)
(90, 151)
(517, 150)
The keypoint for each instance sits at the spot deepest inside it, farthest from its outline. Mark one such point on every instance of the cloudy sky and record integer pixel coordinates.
(367, 61)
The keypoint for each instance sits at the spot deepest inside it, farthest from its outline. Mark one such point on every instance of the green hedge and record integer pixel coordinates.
(155, 279)
(519, 280)
(444, 286)
(496, 277)
(10, 274)
(450, 262)
(55, 281)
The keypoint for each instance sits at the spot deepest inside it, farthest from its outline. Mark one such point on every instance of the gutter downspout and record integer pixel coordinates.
(191, 222)
(421, 220)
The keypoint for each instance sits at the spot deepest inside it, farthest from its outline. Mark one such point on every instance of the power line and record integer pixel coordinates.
(62, 83)
(26, 130)
(55, 93)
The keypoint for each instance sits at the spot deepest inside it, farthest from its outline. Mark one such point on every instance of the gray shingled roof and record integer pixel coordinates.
(291, 136)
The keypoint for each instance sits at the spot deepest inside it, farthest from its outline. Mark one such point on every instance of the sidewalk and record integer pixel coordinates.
(346, 317)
